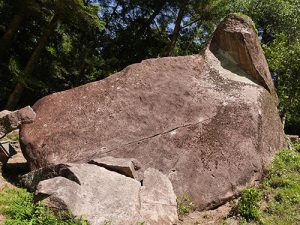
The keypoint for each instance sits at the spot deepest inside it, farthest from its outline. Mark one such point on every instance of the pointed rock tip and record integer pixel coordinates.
(236, 37)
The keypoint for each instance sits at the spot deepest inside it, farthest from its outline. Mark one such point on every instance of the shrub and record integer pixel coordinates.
(13, 137)
(185, 205)
(296, 147)
(248, 205)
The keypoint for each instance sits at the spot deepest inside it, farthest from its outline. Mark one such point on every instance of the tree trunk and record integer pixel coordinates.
(10, 33)
(286, 108)
(175, 34)
(148, 22)
(283, 121)
(15, 96)
(113, 13)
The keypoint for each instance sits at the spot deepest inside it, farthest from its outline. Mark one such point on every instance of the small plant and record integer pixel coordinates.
(185, 205)
(248, 18)
(248, 205)
(13, 137)
(107, 222)
(296, 147)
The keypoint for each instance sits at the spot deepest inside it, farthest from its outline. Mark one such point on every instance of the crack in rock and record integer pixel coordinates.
(155, 135)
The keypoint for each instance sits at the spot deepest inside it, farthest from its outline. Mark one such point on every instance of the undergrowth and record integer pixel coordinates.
(276, 201)
(12, 137)
(248, 205)
(185, 205)
(17, 206)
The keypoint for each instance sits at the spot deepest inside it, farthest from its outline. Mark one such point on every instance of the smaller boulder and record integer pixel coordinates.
(158, 200)
(99, 195)
(10, 121)
(58, 193)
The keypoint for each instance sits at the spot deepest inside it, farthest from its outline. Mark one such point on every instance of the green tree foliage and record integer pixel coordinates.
(279, 29)
(145, 29)
(284, 62)
(35, 32)
(52, 45)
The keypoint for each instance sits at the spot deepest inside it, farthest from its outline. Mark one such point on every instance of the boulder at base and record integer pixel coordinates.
(102, 196)
(208, 121)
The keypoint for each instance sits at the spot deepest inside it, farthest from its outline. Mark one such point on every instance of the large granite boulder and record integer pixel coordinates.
(99, 195)
(208, 121)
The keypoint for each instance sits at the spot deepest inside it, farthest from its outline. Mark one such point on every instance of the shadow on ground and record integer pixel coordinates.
(11, 172)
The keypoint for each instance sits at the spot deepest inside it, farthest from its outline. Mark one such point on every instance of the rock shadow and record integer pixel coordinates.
(12, 172)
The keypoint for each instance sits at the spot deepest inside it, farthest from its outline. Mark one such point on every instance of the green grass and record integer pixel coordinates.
(185, 205)
(17, 206)
(248, 205)
(277, 199)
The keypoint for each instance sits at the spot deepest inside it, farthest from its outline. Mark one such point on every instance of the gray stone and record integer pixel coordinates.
(10, 121)
(102, 195)
(4, 113)
(158, 200)
(98, 195)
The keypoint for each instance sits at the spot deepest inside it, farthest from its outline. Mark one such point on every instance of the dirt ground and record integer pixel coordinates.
(209, 217)
(16, 166)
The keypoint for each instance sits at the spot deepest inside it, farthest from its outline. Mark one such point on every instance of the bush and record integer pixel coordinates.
(296, 147)
(248, 205)
(185, 205)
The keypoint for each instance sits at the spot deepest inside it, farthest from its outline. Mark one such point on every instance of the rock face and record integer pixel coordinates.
(157, 196)
(10, 121)
(208, 121)
(234, 40)
(100, 195)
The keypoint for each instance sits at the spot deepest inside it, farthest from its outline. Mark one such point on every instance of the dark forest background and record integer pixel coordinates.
(52, 45)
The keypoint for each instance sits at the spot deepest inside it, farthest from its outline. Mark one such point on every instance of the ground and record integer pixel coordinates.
(209, 217)
(277, 201)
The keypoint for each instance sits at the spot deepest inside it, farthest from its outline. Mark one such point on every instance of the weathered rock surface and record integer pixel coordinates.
(100, 195)
(208, 121)
(10, 121)
(236, 40)
(158, 200)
